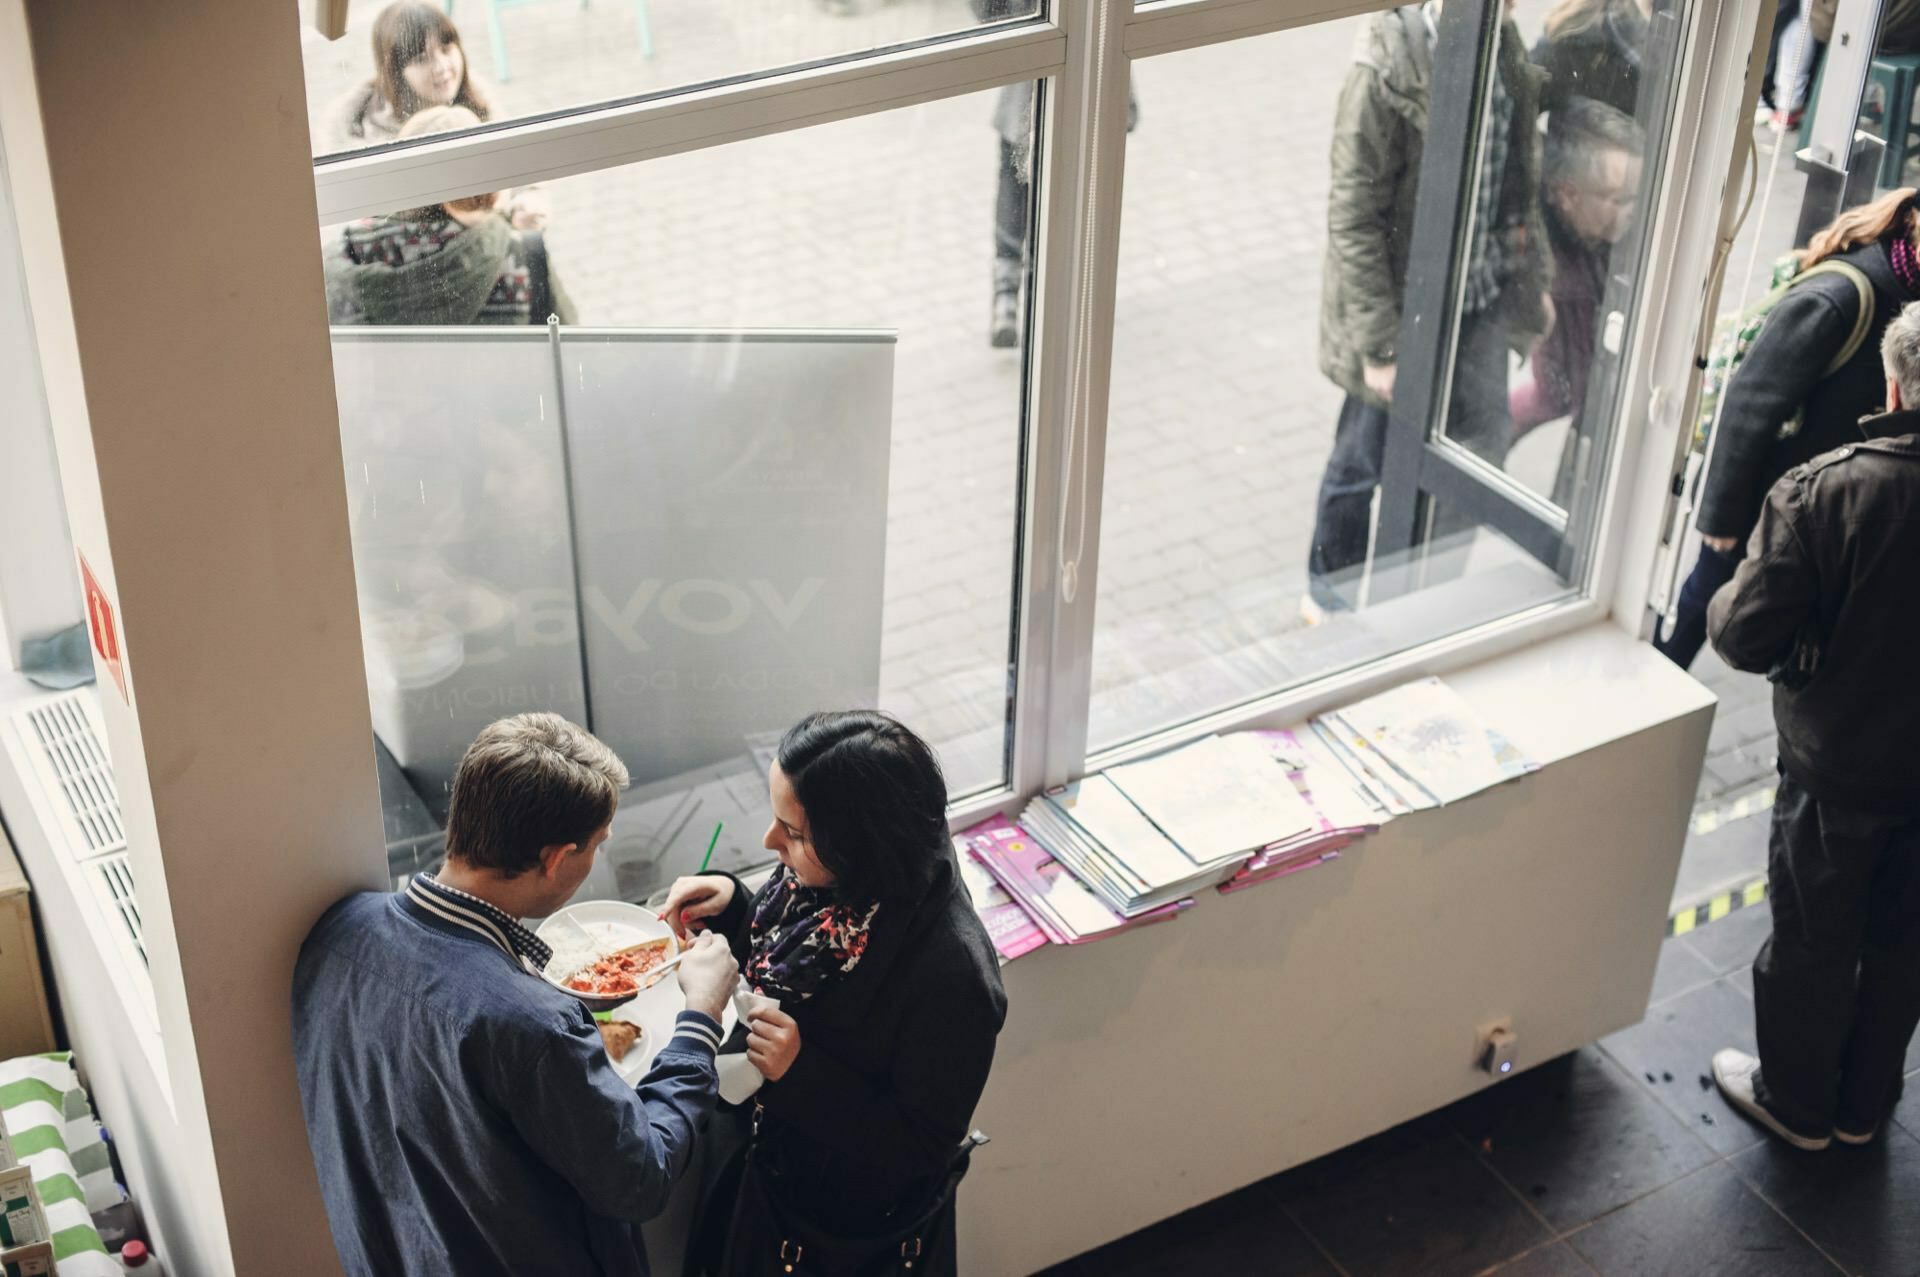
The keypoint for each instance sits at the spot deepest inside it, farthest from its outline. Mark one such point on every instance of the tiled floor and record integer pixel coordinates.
(1620, 1159)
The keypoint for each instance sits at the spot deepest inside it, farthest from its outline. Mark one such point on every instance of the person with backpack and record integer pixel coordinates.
(460, 262)
(1824, 604)
(1811, 372)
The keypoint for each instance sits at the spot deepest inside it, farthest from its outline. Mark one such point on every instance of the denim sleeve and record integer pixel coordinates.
(621, 1149)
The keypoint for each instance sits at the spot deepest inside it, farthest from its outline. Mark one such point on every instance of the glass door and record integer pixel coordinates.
(1522, 272)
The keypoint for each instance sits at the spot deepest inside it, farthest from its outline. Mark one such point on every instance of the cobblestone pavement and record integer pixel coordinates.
(1219, 422)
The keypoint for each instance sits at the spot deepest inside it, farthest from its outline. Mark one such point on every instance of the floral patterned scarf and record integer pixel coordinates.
(802, 939)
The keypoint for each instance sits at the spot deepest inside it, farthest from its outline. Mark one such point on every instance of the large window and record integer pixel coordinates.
(512, 60)
(839, 349)
(767, 463)
(1365, 337)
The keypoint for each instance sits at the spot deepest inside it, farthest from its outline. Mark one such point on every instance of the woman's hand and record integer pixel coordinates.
(693, 900)
(773, 1043)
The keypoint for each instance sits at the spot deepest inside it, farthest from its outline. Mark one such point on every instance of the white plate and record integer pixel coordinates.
(655, 1012)
(655, 1009)
(617, 925)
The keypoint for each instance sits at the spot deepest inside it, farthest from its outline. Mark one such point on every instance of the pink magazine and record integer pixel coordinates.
(1253, 876)
(1064, 909)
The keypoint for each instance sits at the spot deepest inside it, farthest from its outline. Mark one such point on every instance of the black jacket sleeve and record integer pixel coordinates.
(911, 1124)
(1756, 618)
(1802, 334)
(731, 923)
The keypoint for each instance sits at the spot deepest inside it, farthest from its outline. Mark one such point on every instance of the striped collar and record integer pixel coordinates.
(452, 905)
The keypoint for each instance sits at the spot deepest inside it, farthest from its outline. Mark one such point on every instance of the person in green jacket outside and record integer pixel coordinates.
(461, 262)
(1379, 131)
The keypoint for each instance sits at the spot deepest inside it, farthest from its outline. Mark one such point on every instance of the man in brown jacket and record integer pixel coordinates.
(1827, 605)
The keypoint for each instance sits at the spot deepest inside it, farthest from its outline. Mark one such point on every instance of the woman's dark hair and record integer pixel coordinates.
(402, 34)
(875, 800)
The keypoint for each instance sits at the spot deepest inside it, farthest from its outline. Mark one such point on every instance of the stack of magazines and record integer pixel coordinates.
(1340, 813)
(1417, 746)
(1011, 928)
(1063, 910)
(1143, 835)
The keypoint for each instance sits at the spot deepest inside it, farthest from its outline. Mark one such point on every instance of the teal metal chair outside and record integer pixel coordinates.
(1886, 111)
(642, 27)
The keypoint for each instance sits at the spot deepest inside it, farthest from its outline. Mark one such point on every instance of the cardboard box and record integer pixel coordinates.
(28, 1261)
(25, 1026)
(22, 1222)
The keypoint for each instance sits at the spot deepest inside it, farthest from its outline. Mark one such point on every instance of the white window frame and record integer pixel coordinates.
(1085, 50)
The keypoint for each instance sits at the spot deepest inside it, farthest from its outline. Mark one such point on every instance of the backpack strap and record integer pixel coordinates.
(1863, 313)
(535, 246)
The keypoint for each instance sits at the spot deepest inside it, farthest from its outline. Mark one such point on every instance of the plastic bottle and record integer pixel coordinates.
(136, 1258)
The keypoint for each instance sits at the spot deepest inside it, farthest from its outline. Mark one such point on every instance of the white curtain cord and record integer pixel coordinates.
(1080, 369)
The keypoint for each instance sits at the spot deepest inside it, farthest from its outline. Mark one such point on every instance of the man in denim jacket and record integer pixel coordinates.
(463, 1113)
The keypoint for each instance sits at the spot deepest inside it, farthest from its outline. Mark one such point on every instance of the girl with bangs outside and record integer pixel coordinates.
(420, 63)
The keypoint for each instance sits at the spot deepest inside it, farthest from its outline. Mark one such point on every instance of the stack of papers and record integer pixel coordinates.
(1146, 834)
(1418, 746)
(1055, 901)
(1340, 814)
(1011, 928)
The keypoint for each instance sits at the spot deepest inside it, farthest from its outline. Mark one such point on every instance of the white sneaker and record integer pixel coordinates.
(1734, 1071)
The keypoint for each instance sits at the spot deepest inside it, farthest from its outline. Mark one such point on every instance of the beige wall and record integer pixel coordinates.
(165, 199)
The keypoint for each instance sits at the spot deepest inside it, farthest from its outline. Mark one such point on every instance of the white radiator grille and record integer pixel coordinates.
(76, 760)
(113, 881)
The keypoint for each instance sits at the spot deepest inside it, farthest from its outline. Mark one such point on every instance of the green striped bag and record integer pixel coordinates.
(52, 1131)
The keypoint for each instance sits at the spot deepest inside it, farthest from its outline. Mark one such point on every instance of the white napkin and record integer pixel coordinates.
(738, 1078)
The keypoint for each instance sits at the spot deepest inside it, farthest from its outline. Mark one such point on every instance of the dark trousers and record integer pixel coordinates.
(1012, 215)
(1477, 418)
(1836, 988)
(1688, 632)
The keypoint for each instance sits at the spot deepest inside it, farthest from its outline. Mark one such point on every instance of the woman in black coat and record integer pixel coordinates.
(1784, 406)
(889, 1004)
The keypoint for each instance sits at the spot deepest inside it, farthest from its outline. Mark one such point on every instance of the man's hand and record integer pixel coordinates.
(693, 900)
(773, 1043)
(1379, 379)
(1724, 545)
(707, 975)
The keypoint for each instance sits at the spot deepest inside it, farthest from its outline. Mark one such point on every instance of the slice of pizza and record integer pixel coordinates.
(619, 1037)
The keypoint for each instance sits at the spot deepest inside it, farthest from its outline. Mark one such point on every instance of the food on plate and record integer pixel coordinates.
(619, 1037)
(620, 971)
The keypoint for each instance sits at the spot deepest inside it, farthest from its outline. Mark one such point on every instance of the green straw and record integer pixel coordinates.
(711, 844)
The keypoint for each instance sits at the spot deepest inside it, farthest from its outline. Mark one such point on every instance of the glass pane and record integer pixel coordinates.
(507, 60)
(769, 464)
(1552, 250)
(1263, 266)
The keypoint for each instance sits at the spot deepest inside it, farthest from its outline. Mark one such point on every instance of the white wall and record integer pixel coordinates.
(37, 591)
(1144, 1074)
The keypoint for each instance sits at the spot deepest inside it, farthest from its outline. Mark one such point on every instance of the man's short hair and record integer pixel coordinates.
(1582, 130)
(528, 782)
(1900, 352)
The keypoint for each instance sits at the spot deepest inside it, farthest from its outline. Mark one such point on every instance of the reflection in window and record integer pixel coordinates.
(1268, 228)
(777, 470)
(510, 60)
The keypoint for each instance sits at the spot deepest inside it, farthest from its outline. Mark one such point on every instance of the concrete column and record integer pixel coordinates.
(159, 158)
